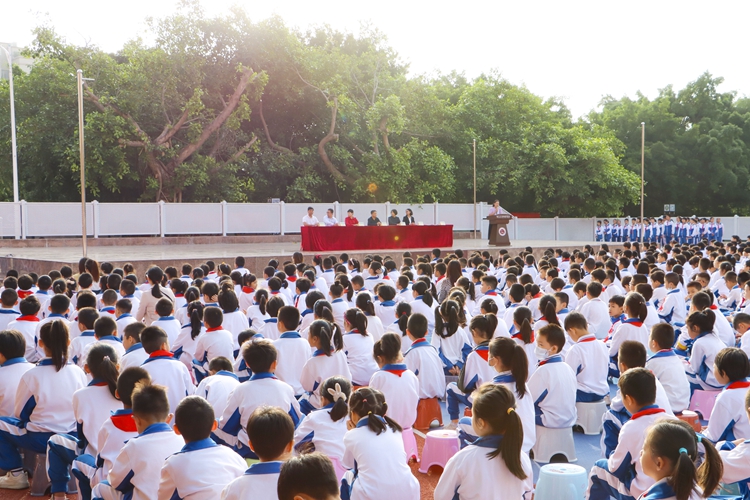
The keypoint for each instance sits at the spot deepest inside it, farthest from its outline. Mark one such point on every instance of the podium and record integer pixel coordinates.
(499, 229)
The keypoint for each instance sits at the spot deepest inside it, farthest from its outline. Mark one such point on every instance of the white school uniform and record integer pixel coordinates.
(371, 281)
(375, 327)
(471, 475)
(8, 315)
(733, 298)
(214, 343)
(358, 349)
(508, 315)
(735, 459)
(630, 329)
(235, 323)
(723, 329)
(554, 387)
(588, 359)
(216, 389)
(672, 309)
(246, 298)
(168, 371)
(453, 350)
(92, 406)
(78, 347)
(10, 373)
(110, 340)
(729, 416)
(27, 326)
(418, 306)
(669, 369)
(116, 430)
(261, 479)
(339, 307)
(422, 358)
(385, 311)
(262, 389)
(170, 326)
(320, 367)
(400, 387)
(122, 321)
(135, 355)
(572, 297)
(184, 347)
(524, 408)
(270, 329)
(497, 298)
(293, 353)
(199, 471)
(658, 295)
(700, 369)
(597, 316)
(652, 316)
(381, 469)
(326, 434)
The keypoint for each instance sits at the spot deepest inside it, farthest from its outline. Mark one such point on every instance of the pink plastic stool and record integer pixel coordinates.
(340, 470)
(703, 402)
(410, 445)
(439, 447)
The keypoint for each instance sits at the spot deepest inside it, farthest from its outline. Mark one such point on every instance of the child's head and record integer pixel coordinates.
(131, 335)
(387, 350)
(8, 298)
(336, 391)
(123, 306)
(220, 364)
(150, 405)
(101, 363)
(270, 432)
(308, 477)
(616, 305)
(164, 307)
(105, 326)
(369, 403)
(127, 381)
(260, 355)
(59, 304)
(325, 336)
(54, 338)
(355, 321)
(632, 354)
(741, 322)
(700, 322)
(154, 339)
(730, 365)
(551, 338)
(12, 345)
(516, 293)
(482, 327)
(507, 355)
(416, 326)
(576, 325)
(29, 306)
(194, 419)
(109, 297)
(213, 317)
(662, 337)
(635, 306)
(638, 388)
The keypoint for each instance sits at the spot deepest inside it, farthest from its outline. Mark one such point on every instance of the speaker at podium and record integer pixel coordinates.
(498, 231)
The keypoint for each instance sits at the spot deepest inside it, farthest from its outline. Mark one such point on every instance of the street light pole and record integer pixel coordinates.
(643, 168)
(475, 189)
(79, 74)
(9, 56)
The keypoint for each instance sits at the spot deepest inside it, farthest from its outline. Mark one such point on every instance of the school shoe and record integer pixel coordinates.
(11, 482)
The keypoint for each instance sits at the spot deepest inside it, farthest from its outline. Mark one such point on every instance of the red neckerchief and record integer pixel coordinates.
(179, 295)
(396, 372)
(440, 278)
(740, 384)
(213, 329)
(159, 353)
(484, 354)
(291, 279)
(587, 339)
(713, 307)
(538, 295)
(27, 318)
(24, 293)
(247, 289)
(124, 422)
(643, 413)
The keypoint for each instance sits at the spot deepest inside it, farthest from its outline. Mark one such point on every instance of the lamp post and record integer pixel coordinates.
(80, 79)
(475, 189)
(643, 165)
(9, 56)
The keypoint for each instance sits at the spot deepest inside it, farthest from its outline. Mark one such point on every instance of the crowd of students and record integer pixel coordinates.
(315, 370)
(663, 230)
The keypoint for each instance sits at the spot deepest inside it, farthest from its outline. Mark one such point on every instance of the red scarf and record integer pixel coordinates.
(247, 289)
(159, 353)
(24, 293)
(27, 318)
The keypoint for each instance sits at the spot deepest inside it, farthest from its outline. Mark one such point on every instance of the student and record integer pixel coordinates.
(12, 367)
(523, 334)
(425, 363)
(105, 332)
(488, 288)
(398, 384)
(328, 360)
(166, 321)
(358, 347)
(26, 324)
(234, 320)
(496, 458)
(43, 405)
(271, 433)
(386, 304)
(450, 338)
(728, 420)
(631, 329)
(123, 318)
(202, 468)
(147, 306)
(702, 353)
(324, 429)
(270, 328)
(516, 297)
(424, 304)
(596, 311)
(219, 384)
(375, 326)
(374, 451)
(184, 348)
(741, 323)
(308, 477)
(476, 371)
(293, 350)
(588, 359)
(136, 471)
(212, 344)
(616, 314)
(8, 300)
(164, 368)
(128, 291)
(92, 406)
(668, 368)
(553, 383)
(86, 319)
(263, 388)
(614, 475)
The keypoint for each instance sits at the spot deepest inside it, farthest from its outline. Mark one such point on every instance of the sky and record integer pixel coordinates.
(578, 51)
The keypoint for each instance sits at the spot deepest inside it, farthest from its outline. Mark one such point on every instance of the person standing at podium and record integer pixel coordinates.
(495, 208)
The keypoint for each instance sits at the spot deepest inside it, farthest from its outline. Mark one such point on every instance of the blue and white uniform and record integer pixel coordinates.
(400, 387)
(728, 420)
(293, 353)
(475, 372)
(8, 315)
(10, 373)
(27, 326)
(339, 306)
(630, 329)
(669, 369)
(554, 384)
(135, 355)
(672, 308)
(418, 306)
(736, 458)
(235, 323)
(700, 369)
(77, 349)
(255, 318)
(184, 347)
(358, 349)
(261, 479)
(316, 370)
(122, 321)
(454, 349)
(422, 358)
(385, 311)
(217, 388)
(326, 434)
(166, 370)
(171, 327)
(588, 359)
(212, 344)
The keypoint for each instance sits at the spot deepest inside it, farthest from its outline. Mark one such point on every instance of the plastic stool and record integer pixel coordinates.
(691, 418)
(39, 480)
(439, 447)
(340, 470)
(467, 412)
(410, 445)
(561, 482)
(590, 416)
(551, 442)
(428, 410)
(703, 402)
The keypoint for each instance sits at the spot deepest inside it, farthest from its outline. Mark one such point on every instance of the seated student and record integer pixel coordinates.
(734, 455)
(8, 300)
(588, 359)
(123, 318)
(728, 420)
(128, 291)
(516, 296)
(489, 289)
(308, 314)
(358, 347)
(672, 308)
(616, 314)
(373, 276)
(219, 384)
(234, 320)
(184, 348)
(398, 384)
(134, 355)
(105, 332)
(270, 328)
(702, 352)
(26, 324)
(293, 350)
(270, 432)
(165, 309)
(562, 310)
(677, 476)
(136, 471)
(741, 323)
(554, 382)
(522, 332)
(732, 299)
(164, 368)
(323, 430)
(668, 368)
(263, 388)
(239, 366)
(86, 319)
(422, 358)
(596, 311)
(12, 367)
(385, 306)
(212, 344)
(202, 468)
(615, 475)
(474, 472)
(631, 329)
(328, 360)
(375, 327)
(43, 405)
(424, 303)
(108, 299)
(374, 451)
(308, 477)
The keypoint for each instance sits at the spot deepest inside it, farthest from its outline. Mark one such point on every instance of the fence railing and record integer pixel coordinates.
(49, 220)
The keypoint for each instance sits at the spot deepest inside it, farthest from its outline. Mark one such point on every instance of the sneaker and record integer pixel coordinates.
(450, 427)
(11, 482)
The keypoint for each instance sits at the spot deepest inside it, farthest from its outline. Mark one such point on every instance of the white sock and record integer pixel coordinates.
(16, 472)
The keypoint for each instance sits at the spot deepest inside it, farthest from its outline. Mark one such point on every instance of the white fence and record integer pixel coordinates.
(48, 220)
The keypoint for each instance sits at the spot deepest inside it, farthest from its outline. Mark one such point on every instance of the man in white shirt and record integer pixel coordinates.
(310, 219)
(329, 219)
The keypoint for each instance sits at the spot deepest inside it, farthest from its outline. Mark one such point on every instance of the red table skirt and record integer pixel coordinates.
(319, 238)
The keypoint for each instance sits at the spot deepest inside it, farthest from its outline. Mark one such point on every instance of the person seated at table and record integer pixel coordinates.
(393, 220)
(329, 219)
(409, 217)
(310, 219)
(373, 220)
(351, 220)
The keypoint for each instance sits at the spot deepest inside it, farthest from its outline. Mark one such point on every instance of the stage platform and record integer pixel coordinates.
(41, 259)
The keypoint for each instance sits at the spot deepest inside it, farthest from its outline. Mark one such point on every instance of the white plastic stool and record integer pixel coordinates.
(561, 482)
(551, 442)
(590, 416)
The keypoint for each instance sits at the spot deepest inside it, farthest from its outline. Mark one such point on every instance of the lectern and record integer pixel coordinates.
(499, 229)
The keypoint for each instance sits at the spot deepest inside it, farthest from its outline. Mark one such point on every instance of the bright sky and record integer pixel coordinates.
(577, 50)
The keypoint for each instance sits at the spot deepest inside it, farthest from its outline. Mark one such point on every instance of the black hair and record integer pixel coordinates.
(261, 297)
(85, 299)
(259, 355)
(702, 319)
(640, 384)
(155, 275)
(127, 381)
(228, 299)
(357, 319)
(311, 474)
(87, 317)
(417, 325)
(340, 407)
(58, 304)
(663, 335)
(102, 363)
(388, 347)
(547, 306)
(85, 280)
(164, 307)
(245, 335)
(210, 290)
(733, 363)
(369, 402)
(403, 310)
(635, 306)
(484, 325)
(365, 304)
(576, 320)
(554, 335)
(195, 311)
(152, 338)
(133, 330)
(269, 430)
(274, 305)
(422, 289)
(329, 334)
(512, 356)
(632, 354)
(150, 401)
(448, 318)
(12, 344)
(105, 326)
(289, 317)
(29, 306)
(495, 404)
(194, 418)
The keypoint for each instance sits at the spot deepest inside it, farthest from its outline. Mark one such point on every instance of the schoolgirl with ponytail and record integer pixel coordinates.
(247, 293)
(45, 395)
(147, 306)
(398, 384)
(257, 312)
(374, 452)
(234, 320)
(374, 324)
(496, 458)
(181, 314)
(358, 345)
(547, 308)
(523, 333)
(187, 341)
(489, 306)
(450, 338)
(323, 430)
(471, 292)
(327, 360)
(92, 406)
(424, 303)
(631, 329)
(402, 313)
(703, 350)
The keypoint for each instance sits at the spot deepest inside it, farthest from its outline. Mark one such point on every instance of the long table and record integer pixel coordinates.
(319, 238)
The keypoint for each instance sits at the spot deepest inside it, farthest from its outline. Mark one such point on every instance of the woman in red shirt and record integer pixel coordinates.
(350, 219)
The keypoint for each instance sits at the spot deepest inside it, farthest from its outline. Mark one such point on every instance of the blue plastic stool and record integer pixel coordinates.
(561, 482)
